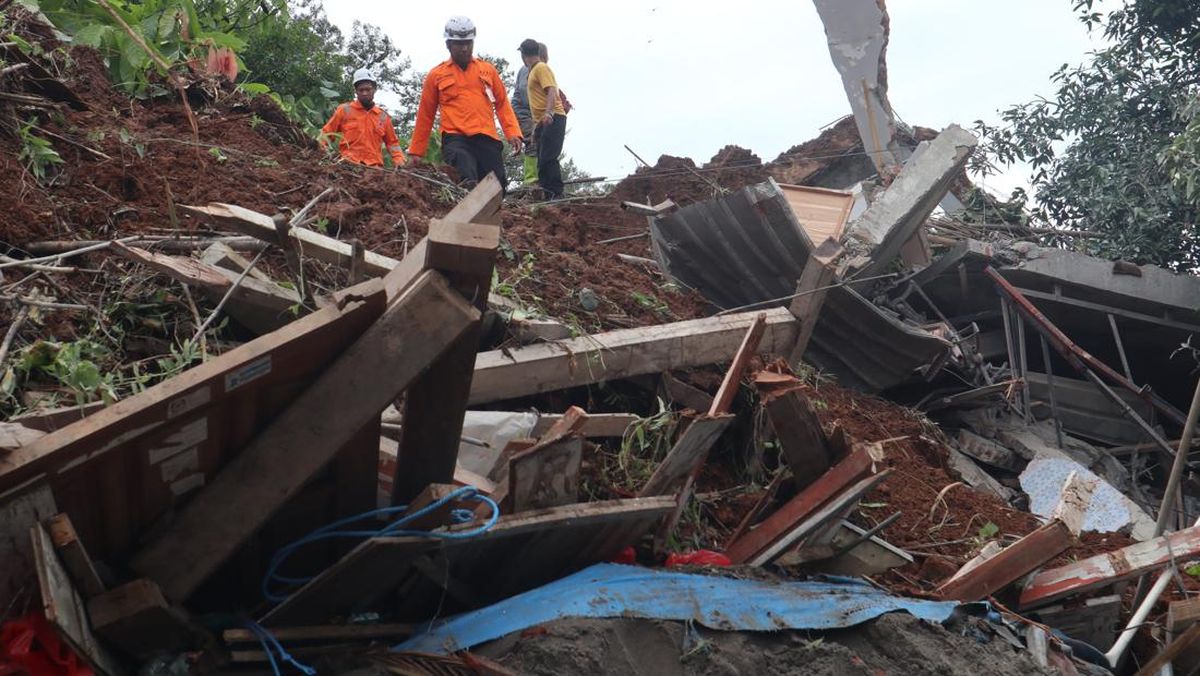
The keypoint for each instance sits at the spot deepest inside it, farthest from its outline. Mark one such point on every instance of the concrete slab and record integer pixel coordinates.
(902, 209)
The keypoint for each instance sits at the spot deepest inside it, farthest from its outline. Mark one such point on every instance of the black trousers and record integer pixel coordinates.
(549, 139)
(474, 157)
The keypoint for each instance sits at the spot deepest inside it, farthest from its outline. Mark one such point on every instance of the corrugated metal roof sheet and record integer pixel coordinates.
(749, 247)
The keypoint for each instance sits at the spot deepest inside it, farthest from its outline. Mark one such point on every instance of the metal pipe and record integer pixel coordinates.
(1075, 354)
(1025, 398)
(1185, 444)
(1008, 339)
(1112, 321)
(1050, 384)
(1118, 648)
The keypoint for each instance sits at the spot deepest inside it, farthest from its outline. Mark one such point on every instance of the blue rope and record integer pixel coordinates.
(261, 633)
(392, 529)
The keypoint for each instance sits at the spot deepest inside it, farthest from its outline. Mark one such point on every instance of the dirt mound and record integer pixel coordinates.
(892, 644)
(799, 164)
(680, 180)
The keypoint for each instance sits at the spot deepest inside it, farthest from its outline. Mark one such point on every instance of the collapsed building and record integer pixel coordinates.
(438, 446)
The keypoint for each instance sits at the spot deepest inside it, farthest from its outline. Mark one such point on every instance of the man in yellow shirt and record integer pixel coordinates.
(549, 118)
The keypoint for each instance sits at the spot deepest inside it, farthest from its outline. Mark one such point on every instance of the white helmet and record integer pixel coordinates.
(363, 74)
(460, 28)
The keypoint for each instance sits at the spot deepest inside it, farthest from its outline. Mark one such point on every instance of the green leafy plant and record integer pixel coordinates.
(217, 154)
(651, 302)
(988, 531)
(72, 365)
(38, 156)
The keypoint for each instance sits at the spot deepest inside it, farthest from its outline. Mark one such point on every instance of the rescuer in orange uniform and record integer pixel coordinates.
(471, 96)
(364, 126)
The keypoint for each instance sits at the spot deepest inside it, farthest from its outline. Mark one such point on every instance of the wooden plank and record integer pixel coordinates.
(1030, 552)
(267, 358)
(21, 509)
(481, 205)
(313, 244)
(689, 450)
(741, 360)
(74, 556)
(1181, 614)
(1110, 568)
(187, 270)
(465, 252)
(53, 419)
(597, 425)
(64, 608)
(834, 509)
(546, 475)
(857, 465)
(686, 395)
(338, 632)
(13, 435)
(435, 518)
(569, 424)
(223, 256)
(819, 272)
(1094, 622)
(801, 438)
(1177, 647)
(376, 566)
(136, 619)
(285, 455)
(1011, 564)
(533, 369)
(821, 212)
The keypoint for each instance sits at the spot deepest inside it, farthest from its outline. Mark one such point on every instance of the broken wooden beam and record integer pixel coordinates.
(74, 556)
(684, 394)
(816, 524)
(533, 369)
(546, 475)
(262, 306)
(597, 425)
(818, 274)
(314, 244)
(64, 608)
(1186, 640)
(333, 632)
(1030, 552)
(689, 451)
(859, 464)
(1010, 564)
(136, 619)
(723, 400)
(300, 441)
(377, 566)
(465, 252)
(801, 440)
(1112, 567)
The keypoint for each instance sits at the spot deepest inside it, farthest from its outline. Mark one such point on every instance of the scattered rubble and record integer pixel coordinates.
(776, 364)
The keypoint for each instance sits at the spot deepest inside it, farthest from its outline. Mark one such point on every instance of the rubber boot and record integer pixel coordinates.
(530, 170)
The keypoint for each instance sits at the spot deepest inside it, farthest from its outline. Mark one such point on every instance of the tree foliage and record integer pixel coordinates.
(1101, 145)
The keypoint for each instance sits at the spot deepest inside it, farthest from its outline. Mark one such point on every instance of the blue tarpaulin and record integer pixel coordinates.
(611, 590)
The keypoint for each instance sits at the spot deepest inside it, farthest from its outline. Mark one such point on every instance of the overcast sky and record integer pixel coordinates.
(686, 78)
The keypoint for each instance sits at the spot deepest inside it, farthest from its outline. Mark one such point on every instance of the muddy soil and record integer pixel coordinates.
(896, 644)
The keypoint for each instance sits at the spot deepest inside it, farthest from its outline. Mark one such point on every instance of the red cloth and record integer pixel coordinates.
(29, 645)
(703, 557)
(627, 556)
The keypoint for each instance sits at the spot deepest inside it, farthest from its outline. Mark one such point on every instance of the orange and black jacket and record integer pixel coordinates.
(363, 132)
(470, 100)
